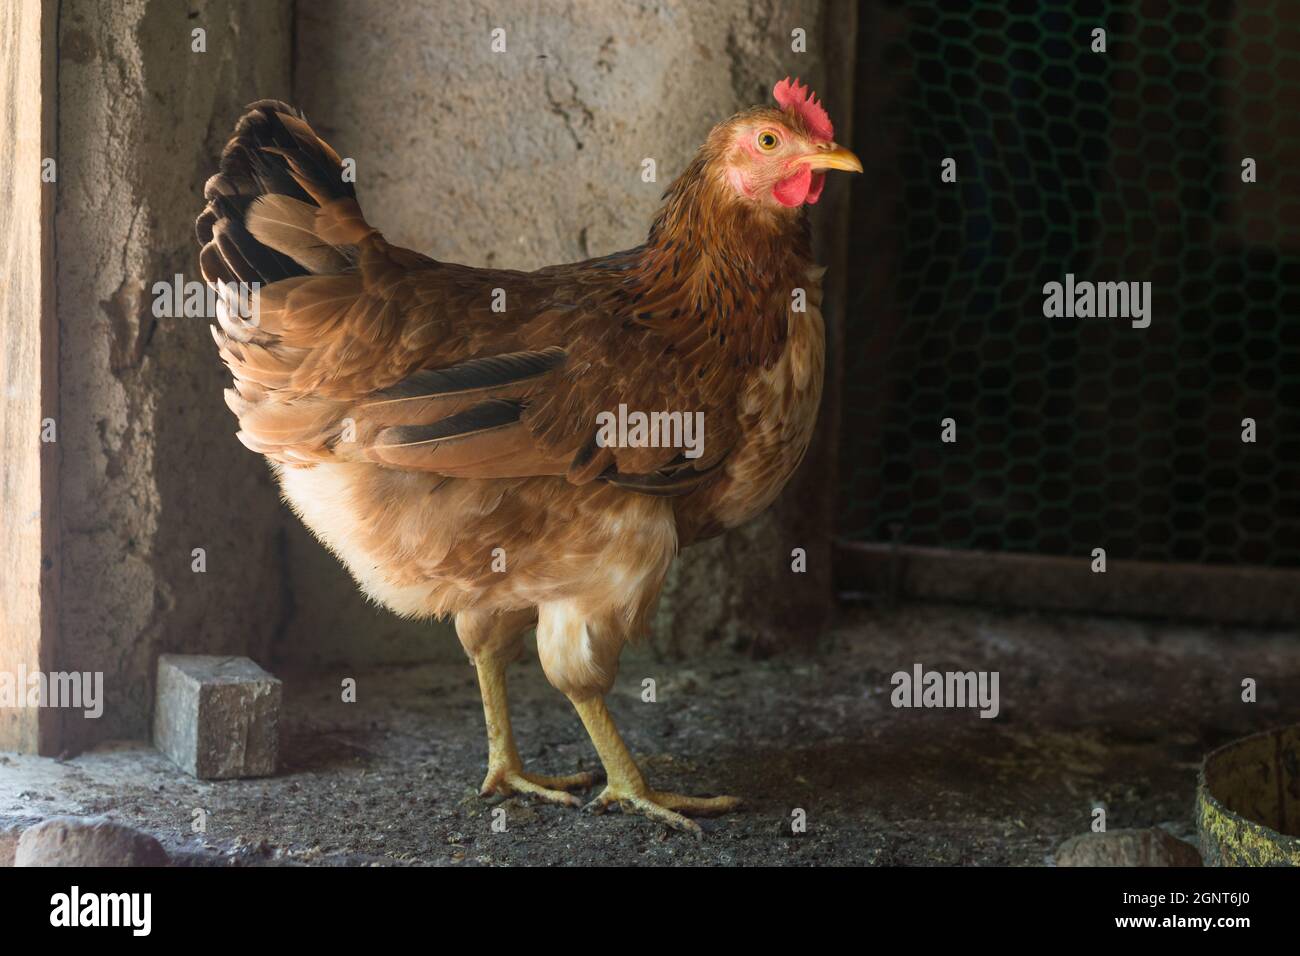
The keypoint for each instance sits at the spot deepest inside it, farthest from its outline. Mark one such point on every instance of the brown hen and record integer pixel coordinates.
(442, 428)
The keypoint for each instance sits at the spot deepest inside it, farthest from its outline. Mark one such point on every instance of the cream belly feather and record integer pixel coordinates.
(400, 544)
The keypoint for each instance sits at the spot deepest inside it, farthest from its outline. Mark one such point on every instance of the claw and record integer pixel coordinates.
(663, 807)
(507, 781)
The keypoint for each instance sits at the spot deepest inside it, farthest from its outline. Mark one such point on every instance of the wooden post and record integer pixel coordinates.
(29, 521)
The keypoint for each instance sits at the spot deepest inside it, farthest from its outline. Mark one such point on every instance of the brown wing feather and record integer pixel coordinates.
(358, 350)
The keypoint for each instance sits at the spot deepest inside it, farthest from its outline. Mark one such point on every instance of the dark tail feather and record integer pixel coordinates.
(274, 153)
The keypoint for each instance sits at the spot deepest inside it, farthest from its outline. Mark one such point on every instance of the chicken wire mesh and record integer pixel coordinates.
(1117, 166)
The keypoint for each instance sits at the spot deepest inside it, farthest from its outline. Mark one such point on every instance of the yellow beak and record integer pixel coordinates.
(833, 156)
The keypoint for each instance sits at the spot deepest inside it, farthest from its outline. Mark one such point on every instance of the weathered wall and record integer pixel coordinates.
(149, 466)
(533, 156)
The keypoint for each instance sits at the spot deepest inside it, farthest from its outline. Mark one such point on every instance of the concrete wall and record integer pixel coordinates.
(533, 156)
(149, 466)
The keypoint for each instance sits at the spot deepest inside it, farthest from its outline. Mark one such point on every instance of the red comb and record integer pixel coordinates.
(794, 96)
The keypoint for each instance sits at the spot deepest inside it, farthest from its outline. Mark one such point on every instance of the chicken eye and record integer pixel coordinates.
(768, 140)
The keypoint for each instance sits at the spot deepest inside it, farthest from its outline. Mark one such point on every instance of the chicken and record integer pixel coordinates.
(440, 428)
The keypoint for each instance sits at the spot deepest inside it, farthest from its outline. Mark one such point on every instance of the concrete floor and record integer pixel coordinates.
(1093, 712)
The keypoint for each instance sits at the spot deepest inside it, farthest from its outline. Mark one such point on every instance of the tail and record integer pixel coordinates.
(281, 224)
(280, 206)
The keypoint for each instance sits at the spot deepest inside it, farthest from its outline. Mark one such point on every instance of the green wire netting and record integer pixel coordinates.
(1117, 166)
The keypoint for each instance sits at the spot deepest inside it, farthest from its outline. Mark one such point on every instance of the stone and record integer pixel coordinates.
(217, 718)
(87, 841)
(10, 831)
(1149, 847)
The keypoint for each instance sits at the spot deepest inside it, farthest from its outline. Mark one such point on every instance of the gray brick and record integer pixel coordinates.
(217, 717)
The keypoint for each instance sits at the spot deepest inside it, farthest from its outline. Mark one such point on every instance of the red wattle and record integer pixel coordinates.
(815, 191)
(793, 190)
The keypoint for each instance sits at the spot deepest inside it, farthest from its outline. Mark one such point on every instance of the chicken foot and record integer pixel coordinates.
(506, 775)
(627, 787)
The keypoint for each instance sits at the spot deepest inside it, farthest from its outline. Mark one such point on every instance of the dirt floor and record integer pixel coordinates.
(1093, 712)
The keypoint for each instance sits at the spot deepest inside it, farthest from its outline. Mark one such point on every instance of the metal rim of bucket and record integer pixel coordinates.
(1265, 835)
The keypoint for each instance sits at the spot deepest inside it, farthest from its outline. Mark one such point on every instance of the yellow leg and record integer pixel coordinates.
(505, 774)
(627, 787)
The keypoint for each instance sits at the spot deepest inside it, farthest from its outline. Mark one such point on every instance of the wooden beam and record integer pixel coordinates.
(29, 521)
(1203, 592)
